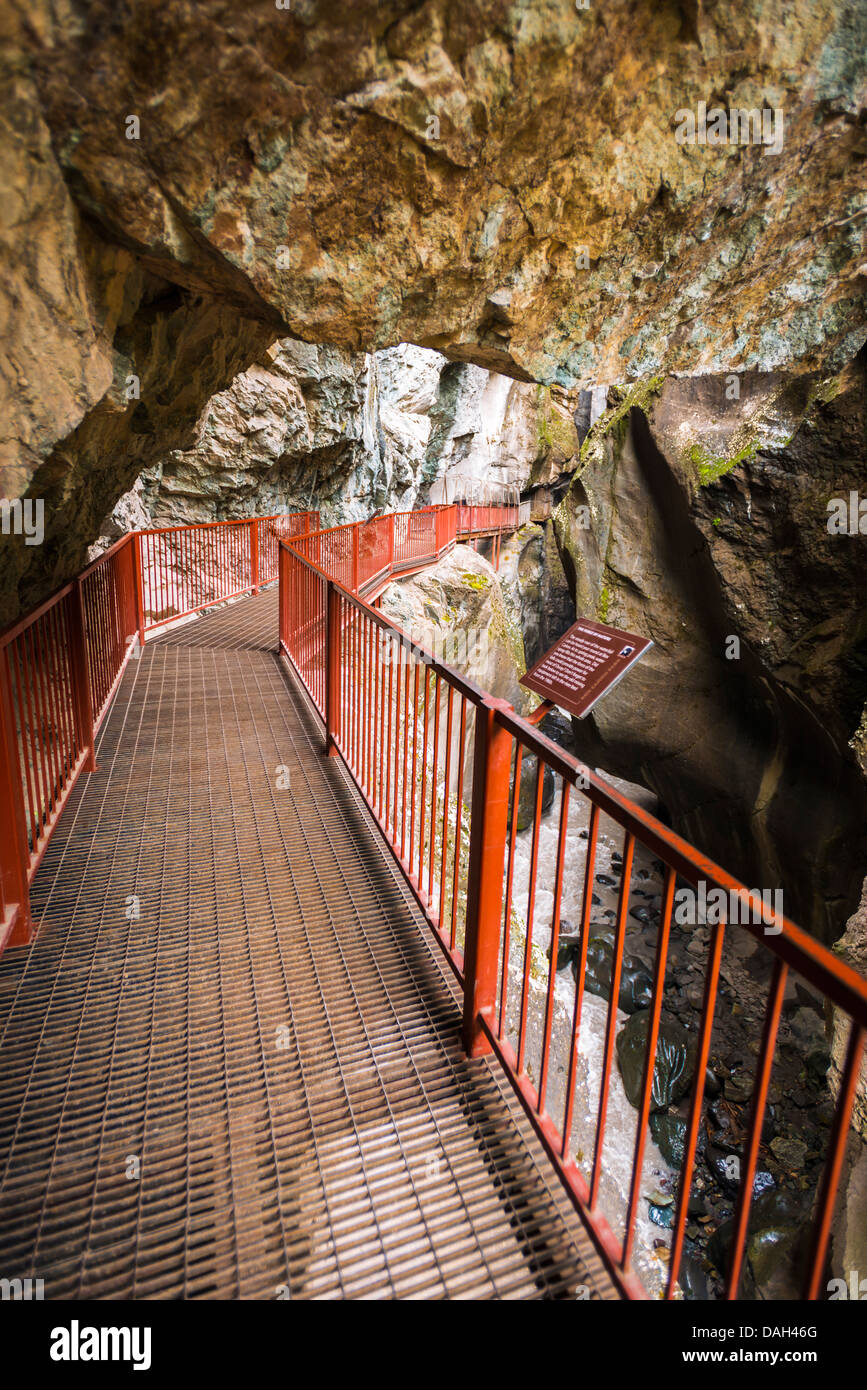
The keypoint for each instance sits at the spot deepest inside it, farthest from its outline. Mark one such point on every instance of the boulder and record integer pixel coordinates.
(674, 1064)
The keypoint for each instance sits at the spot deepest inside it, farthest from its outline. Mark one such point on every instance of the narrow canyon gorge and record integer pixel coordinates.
(385, 257)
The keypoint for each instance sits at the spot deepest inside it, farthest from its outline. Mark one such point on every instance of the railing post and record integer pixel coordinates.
(14, 855)
(355, 557)
(254, 556)
(492, 758)
(332, 670)
(81, 674)
(282, 596)
(139, 587)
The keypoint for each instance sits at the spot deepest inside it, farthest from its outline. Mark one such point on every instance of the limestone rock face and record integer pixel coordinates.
(185, 183)
(852, 948)
(702, 523)
(457, 610)
(296, 430)
(351, 432)
(531, 575)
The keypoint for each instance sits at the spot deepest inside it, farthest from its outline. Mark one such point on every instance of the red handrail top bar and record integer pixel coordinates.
(842, 985)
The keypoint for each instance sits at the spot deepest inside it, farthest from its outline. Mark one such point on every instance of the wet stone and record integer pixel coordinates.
(776, 1246)
(674, 1063)
(738, 1089)
(527, 792)
(661, 1216)
(791, 1153)
(669, 1132)
(636, 983)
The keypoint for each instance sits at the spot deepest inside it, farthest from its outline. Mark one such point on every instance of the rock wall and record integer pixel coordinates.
(459, 610)
(349, 433)
(696, 520)
(500, 182)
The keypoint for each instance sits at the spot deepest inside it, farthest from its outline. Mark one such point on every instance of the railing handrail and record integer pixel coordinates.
(843, 985)
(60, 665)
(204, 525)
(338, 645)
(57, 683)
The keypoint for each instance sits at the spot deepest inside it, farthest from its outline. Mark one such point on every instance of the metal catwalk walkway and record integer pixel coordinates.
(230, 1062)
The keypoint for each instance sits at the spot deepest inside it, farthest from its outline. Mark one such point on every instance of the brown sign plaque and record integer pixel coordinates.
(584, 664)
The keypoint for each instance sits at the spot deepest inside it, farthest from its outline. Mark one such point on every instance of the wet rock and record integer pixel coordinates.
(695, 996)
(661, 1216)
(527, 793)
(669, 1132)
(712, 1086)
(636, 983)
(643, 915)
(726, 1168)
(825, 1112)
(809, 1029)
(606, 880)
(738, 1089)
(790, 1152)
(692, 1277)
(776, 1247)
(565, 955)
(674, 1063)
(568, 942)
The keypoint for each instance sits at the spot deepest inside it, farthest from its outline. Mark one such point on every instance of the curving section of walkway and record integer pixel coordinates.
(230, 1060)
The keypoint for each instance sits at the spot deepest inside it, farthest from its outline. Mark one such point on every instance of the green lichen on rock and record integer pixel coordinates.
(475, 581)
(822, 393)
(554, 430)
(603, 603)
(506, 631)
(709, 467)
(624, 398)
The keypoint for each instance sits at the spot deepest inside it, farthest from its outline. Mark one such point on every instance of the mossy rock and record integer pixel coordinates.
(776, 1249)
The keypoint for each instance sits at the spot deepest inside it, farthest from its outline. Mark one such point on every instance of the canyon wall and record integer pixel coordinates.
(350, 433)
(502, 182)
(703, 523)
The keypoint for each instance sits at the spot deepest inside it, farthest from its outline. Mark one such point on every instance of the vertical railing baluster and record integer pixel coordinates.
(492, 756)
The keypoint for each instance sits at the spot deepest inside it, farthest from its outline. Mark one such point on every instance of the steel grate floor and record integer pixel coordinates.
(230, 1062)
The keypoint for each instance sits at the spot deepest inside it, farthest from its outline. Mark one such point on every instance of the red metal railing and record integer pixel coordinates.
(60, 666)
(187, 568)
(439, 764)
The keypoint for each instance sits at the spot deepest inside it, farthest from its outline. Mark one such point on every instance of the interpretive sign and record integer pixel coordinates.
(584, 664)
